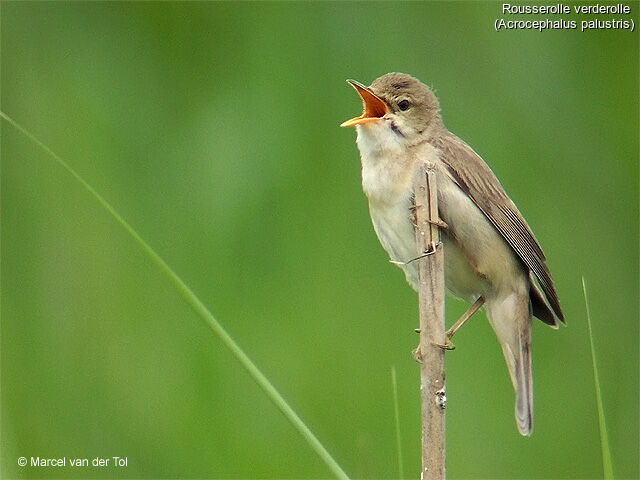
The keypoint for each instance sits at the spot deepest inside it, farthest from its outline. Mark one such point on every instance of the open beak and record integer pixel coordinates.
(373, 107)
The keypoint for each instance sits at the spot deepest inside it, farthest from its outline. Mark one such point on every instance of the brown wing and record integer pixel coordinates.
(475, 178)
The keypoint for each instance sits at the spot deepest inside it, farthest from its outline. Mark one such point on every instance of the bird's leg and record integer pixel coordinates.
(448, 345)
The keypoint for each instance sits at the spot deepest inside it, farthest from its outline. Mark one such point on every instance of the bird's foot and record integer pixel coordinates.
(448, 344)
(439, 223)
(417, 354)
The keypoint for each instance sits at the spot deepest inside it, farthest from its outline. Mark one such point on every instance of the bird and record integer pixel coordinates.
(491, 257)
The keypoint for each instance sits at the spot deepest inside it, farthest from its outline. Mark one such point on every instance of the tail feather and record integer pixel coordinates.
(520, 372)
(511, 319)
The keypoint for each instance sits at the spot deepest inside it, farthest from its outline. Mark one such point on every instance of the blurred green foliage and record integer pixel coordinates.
(213, 129)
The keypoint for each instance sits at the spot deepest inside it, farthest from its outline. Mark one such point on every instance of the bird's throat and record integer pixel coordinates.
(385, 158)
(377, 140)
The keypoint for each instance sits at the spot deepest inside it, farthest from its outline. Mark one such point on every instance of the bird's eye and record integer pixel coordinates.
(404, 105)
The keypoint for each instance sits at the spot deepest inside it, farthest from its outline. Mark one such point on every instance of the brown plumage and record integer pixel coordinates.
(477, 180)
(489, 249)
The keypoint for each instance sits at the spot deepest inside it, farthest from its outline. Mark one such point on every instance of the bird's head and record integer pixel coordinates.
(398, 101)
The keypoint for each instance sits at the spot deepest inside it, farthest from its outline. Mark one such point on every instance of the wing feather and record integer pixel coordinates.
(475, 178)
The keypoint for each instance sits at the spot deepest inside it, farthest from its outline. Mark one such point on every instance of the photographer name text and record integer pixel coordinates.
(73, 462)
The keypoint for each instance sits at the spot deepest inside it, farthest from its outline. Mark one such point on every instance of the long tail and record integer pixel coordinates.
(510, 318)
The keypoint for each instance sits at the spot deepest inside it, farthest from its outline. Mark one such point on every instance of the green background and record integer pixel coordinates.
(213, 129)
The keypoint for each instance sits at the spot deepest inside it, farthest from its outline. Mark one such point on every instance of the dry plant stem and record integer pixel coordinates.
(431, 312)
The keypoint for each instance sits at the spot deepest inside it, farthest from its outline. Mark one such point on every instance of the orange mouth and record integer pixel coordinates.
(374, 108)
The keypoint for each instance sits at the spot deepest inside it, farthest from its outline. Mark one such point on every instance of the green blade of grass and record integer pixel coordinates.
(202, 311)
(607, 465)
(396, 412)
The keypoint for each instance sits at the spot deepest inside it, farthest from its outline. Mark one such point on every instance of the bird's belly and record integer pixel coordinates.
(460, 278)
(394, 229)
(477, 258)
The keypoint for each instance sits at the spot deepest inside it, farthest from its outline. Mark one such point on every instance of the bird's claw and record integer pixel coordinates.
(417, 354)
(448, 344)
(439, 223)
